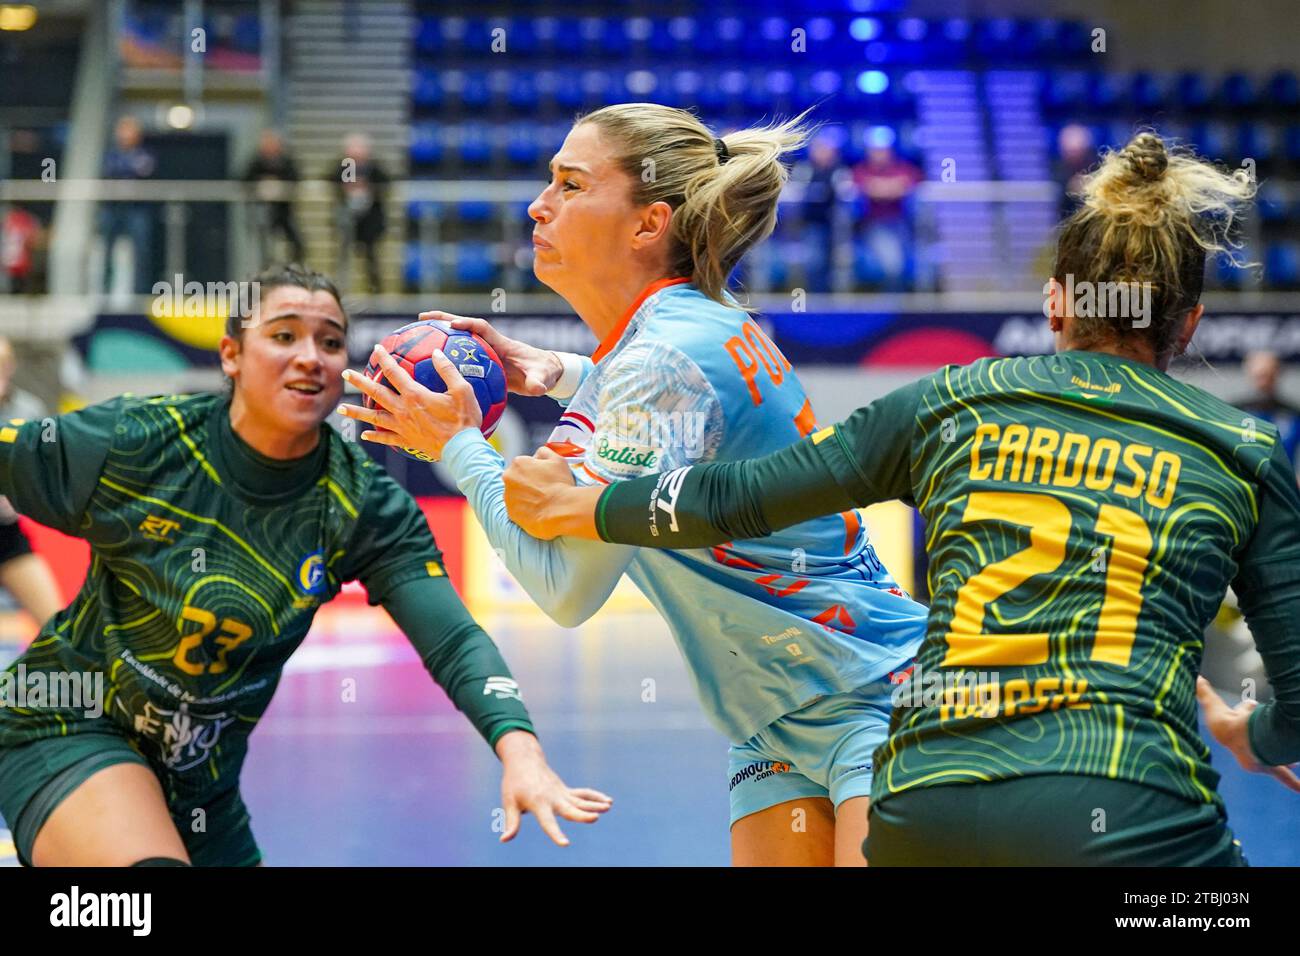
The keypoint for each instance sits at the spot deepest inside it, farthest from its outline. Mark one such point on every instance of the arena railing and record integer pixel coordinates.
(242, 200)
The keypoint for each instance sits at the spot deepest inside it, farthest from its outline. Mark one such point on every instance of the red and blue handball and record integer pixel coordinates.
(412, 347)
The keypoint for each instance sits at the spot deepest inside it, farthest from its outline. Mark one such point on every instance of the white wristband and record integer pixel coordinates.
(570, 378)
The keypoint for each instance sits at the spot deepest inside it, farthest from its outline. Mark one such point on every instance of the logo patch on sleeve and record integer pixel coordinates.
(503, 687)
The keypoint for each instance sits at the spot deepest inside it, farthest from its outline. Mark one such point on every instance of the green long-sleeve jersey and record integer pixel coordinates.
(208, 562)
(1085, 515)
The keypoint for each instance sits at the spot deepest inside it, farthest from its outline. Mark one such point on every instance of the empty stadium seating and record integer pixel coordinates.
(477, 114)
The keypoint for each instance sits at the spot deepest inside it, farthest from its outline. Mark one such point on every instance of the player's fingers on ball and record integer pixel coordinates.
(448, 372)
(547, 453)
(438, 315)
(392, 371)
(466, 323)
(456, 321)
(382, 395)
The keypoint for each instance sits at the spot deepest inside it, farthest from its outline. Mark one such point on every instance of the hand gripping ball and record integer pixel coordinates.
(412, 347)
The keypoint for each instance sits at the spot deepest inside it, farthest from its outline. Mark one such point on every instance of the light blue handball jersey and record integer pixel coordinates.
(765, 625)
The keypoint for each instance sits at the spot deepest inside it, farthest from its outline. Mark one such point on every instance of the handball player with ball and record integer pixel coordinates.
(1089, 510)
(217, 525)
(416, 349)
(792, 640)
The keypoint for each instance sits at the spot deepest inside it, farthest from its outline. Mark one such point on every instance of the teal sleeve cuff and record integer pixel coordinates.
(1269, 746)
(505, 728)
(600, 513)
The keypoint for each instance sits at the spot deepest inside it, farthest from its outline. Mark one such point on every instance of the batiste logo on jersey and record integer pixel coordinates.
(758, 770)
(626, 459)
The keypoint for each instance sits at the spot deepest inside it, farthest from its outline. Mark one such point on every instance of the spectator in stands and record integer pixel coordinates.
(1262, 368)
(885, 181)
(363, 188)
(274, 174)
(21, 238)
(823, 176)
(131, 219)
(14, 401)
(25, 575)
(1076, 154)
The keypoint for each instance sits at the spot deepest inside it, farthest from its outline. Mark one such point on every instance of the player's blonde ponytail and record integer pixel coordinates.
(723, 191)
(1150, 215)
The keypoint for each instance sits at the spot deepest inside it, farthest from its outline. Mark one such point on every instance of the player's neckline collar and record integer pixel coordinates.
(254, 475)
(607, 344)
(1106, 357)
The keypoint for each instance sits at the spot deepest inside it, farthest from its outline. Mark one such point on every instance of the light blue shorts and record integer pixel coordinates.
(824, 749)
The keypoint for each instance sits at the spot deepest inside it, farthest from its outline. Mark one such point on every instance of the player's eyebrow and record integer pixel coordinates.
(295, 315)
(568, 167)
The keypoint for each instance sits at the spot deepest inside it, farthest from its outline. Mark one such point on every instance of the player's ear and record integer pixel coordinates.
(1190, 323)
(656, 220)
(1053, 304)
(228, 349)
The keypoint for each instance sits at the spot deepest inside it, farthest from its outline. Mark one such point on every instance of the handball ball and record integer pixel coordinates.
(412, 347)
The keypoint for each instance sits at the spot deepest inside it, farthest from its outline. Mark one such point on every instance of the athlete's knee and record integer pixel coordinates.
(161, 861)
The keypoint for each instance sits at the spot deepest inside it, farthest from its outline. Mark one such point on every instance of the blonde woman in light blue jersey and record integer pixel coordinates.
(791, 641)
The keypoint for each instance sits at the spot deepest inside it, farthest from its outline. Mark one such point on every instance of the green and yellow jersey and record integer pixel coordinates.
(209, 561)
(1085, 515)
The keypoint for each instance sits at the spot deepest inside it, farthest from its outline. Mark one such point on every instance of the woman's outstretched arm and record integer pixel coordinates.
(863, 460)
